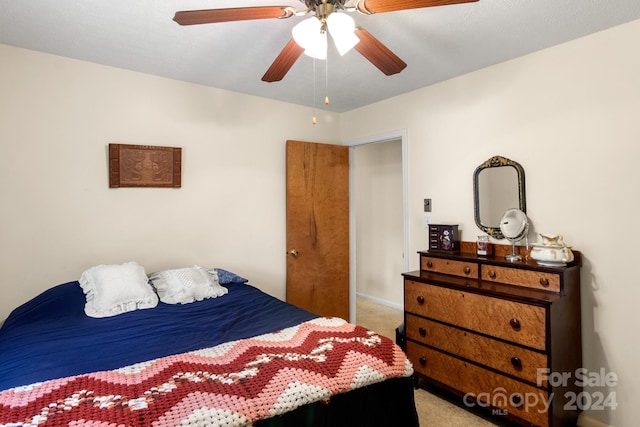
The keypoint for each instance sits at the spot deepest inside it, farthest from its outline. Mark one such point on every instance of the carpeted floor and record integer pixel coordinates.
(434, 410)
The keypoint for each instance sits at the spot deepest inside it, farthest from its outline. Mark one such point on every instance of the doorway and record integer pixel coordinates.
(378, 218)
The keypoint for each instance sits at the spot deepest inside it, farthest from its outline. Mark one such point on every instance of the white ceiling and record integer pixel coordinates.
(437, 43)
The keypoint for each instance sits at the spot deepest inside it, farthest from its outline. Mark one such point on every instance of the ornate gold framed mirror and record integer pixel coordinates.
(498, 185)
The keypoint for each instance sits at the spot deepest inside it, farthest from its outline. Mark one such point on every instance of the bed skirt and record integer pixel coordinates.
(387, 404)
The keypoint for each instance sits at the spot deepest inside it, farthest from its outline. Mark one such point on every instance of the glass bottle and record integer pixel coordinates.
(483, 246)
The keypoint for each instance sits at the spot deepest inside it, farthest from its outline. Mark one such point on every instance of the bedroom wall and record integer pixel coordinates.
(569, 115)
(379, 221)
(58, 216)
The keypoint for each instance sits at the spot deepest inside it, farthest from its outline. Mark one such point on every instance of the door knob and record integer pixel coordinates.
(294, 253)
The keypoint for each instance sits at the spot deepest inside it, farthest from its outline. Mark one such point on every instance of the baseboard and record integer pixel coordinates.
(586, 421)
(380, 301)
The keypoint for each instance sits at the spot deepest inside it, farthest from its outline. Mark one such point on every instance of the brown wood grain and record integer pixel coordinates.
(519, 277)
(477, 381)
(465, 319)
(486, 351)
(144, 166)
(317, 209)
(499, 250)
(488, 315)
(283, 62)
(379, 6)
(210, 16)
(447, 266)
(378, 54)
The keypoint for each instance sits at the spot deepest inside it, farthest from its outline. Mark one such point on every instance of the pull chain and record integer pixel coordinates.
(313, 119)
(326, 81)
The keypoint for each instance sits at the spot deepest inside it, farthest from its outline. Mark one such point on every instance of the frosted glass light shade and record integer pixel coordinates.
(304, 32)
(341, 27)
(309, 36)
(318, 48)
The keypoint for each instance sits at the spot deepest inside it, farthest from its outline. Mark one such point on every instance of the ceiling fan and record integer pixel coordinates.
(367, 45)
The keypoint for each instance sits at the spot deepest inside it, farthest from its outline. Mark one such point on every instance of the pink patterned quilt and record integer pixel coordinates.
(232, 384)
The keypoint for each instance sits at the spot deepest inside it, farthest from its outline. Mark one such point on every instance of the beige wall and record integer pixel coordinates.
(59, 217)
(571, 116)
(379, 228)
(568, 114)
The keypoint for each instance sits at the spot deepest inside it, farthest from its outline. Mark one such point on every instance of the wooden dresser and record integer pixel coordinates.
(491, 331)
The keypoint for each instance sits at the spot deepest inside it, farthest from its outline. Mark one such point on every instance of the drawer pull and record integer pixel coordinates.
(544, 282)
(515, 324)
(516, 400)
(423, 361)
(517, 363)
(492, 274)
(467, 270)
(429, 264)
(422, 332)
(420, 299)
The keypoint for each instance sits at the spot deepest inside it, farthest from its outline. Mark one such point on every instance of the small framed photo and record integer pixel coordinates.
(144, 166)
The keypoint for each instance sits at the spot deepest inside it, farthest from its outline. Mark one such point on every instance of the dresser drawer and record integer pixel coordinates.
(508, 358)
(447, 266)
(520, 323)
(518, 277)
(519, 399)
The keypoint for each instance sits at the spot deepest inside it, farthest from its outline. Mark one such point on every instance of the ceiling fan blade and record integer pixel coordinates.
(378, 54)
(285, 60)
(210, 16)
(379, 6)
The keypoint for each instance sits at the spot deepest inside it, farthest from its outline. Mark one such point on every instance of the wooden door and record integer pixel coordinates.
(318, 228)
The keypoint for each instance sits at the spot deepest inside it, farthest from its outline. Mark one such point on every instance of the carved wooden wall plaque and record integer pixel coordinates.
(144, 166)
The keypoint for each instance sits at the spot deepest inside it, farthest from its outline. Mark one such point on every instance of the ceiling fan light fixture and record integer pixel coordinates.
(309, 36)
(305, 31)
(342, 30)
(318, 49)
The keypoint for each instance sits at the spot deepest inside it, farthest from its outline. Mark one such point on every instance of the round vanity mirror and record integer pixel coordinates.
(514, 226)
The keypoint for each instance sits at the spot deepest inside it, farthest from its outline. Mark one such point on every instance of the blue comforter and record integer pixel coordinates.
(51, 336)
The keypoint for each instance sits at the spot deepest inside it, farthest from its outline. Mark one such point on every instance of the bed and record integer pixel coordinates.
(231, 356)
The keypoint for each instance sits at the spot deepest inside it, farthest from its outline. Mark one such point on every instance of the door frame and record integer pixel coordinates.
(353, 144)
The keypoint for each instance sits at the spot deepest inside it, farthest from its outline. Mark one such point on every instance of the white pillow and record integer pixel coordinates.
(185, 285)
(115, 289)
